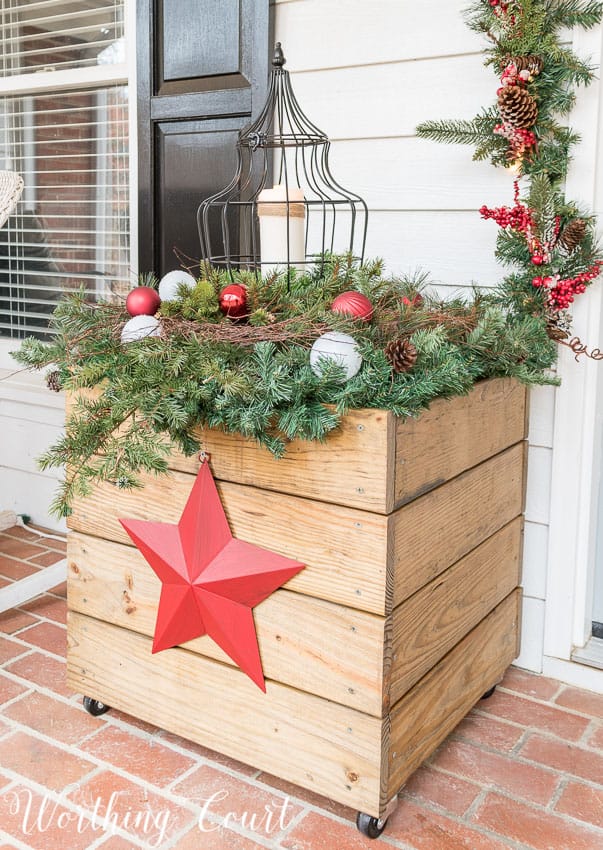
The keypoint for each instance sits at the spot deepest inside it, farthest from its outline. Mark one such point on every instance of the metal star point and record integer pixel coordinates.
(210, 580)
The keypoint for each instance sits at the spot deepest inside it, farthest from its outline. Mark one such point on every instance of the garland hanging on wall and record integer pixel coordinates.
(548, 241)
(285, 356)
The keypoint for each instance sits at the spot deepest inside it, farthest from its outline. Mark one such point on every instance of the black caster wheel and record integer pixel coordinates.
(369, 826)
(489, 693)
(94, 706)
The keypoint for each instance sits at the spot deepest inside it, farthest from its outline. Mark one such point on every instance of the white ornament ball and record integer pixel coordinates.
(170, 284)
(341, 348)
(139, 327)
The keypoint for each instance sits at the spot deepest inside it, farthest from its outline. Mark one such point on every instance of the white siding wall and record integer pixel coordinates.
(31, 419)
(367, 74)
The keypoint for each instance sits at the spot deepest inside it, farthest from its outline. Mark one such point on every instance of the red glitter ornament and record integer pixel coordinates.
(354, 304)
(143, 301)
(233, 301)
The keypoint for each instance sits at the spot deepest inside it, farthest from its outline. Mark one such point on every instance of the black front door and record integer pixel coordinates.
(202, 68)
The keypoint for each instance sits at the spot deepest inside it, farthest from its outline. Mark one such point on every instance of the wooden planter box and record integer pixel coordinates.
(406, 613)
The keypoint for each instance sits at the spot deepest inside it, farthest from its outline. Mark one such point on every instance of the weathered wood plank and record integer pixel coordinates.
(354, 466)
(444, 525)
(344, 549)
(322, 746)
(456, 434)
(373, 461)
(426, 715)
(318, 647)
(438, 616)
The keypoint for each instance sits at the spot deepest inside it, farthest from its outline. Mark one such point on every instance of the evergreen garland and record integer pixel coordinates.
(253, 376)
(153, 394)
(548, 242)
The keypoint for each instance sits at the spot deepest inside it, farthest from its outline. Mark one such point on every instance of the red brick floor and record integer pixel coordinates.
(523, 770)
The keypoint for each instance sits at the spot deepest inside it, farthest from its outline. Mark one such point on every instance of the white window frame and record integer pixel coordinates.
(96, 76)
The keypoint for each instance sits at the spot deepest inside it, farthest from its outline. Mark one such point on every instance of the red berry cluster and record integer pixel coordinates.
(518, 217)
(561, 292)
(500, 8)
(526, 137)
(520, 140)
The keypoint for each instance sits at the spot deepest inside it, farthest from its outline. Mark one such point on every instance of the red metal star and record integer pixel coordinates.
(210, 580)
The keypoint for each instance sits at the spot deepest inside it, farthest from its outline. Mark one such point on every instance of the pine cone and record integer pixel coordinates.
(573, 234)
(517, 107)
(531, 63)
(402, 354)
(53, 381)
(554, 331)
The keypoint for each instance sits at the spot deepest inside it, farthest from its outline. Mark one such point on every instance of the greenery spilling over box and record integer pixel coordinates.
(406, 613)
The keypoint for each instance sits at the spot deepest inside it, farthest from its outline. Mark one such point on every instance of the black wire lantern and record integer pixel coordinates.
(283, 208)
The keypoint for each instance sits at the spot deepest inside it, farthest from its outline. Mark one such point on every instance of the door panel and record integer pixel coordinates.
(187, 171)
(202, 75)
(216, 52)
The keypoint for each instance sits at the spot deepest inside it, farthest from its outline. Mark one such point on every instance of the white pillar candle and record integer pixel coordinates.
(276, 217)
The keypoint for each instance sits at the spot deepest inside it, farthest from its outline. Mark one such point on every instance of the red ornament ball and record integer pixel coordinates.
(233, 301)
(537, 259)
(143, 301)
(354, 304)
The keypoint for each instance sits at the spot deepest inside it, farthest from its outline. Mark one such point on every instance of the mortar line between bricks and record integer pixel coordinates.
(14, 637)
(106, 835)
(12, 701)
(14, 842)
(516, 759)
(55, 796)
(592, 727)
(40, 617)
(285, 831)
(585, 749)
(80, 808)
(177, 837)
(104, 723)
(596, 786)
(543, 703)
(184, 775)
(238, 829)
(479, 799)
(99, 763)
(555, 797)
(102, 839)
(4, 789)
(42, 689)
(27, 650)
(531, 730)
(478, 827)
(554, 815)
(519, 745)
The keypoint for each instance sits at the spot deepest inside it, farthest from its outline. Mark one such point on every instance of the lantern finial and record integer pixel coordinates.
(278, 60)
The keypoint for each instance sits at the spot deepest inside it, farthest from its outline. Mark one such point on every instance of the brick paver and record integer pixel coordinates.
(524, 771)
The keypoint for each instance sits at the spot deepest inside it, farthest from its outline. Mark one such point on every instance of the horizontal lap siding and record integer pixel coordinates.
(367, 88)
(379, 70)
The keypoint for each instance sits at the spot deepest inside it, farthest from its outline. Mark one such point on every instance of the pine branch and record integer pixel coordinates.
(460, 132)
(573, 13)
